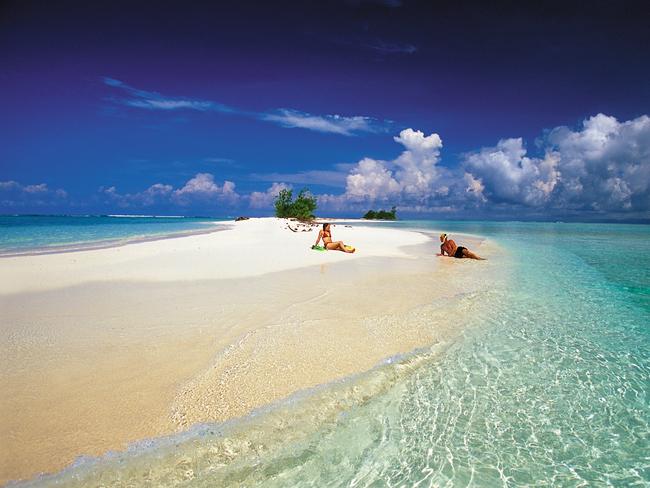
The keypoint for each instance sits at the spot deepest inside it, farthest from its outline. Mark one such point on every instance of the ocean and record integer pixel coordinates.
(548, 385)
(20, 234)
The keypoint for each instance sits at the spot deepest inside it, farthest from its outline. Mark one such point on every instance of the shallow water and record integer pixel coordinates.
(548, 386)
(29, 233)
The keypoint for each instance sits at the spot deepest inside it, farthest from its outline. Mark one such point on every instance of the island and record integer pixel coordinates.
(381, 214)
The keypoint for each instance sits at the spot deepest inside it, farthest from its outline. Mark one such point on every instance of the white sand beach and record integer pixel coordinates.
(256, 247)
(104, 347)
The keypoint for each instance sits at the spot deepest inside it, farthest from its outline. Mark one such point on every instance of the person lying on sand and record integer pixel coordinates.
(326, 234)
(449, 246)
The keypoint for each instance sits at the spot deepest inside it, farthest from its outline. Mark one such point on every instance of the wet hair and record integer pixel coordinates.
(325, 225)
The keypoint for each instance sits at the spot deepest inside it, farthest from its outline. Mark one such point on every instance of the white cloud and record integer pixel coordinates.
(201, 189)
(371, 180)
(228, 191)
(16, 195)
(411, 177)
(506, 174)
(603, 167)
(156, 101)
(171, 104)
(416, 141)
(155, 194)
(41, 188)
(417, 165)
(606, 165)
(475, 187)
(202, 184)
(258, 199)
(9, 185)
(336, 124)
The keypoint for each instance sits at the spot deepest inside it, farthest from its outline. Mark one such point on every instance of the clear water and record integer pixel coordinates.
(548, 386)
(26, 233)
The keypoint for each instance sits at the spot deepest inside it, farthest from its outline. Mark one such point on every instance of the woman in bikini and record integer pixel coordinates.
(449, 246)
(326, 234)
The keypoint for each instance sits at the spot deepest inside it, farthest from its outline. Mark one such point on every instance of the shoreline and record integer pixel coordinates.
(177, 353)
(248, 248)
(382, 377)
(107, 243)
(215, 226)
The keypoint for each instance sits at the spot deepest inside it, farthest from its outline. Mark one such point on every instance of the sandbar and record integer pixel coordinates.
(101, 348)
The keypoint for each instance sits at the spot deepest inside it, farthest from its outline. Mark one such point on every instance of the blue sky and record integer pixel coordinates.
(481, 111)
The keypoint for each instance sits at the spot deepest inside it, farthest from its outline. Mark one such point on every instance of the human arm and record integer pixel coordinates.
(444, 249)
(320, 235)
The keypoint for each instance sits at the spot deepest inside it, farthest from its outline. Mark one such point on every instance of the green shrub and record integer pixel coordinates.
(302, 207)
(283, 203)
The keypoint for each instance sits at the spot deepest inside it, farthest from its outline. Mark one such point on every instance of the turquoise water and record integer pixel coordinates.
(548, 386)
(26, 233)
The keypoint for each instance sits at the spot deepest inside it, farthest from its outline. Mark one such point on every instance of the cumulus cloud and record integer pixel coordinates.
(417, 170)
(202, 184)
(155, 194)
(505, 174)
(606, 165)
(602, 167)
(201, 190)
(333, 124)
(474, 187)
(16, 195)
(411, 177)
(258, 199)
(371, 180)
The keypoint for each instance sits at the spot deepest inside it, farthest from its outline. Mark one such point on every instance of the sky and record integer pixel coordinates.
(503, 110)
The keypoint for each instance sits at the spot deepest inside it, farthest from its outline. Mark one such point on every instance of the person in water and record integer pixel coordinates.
(449, 246)
(326, 235)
